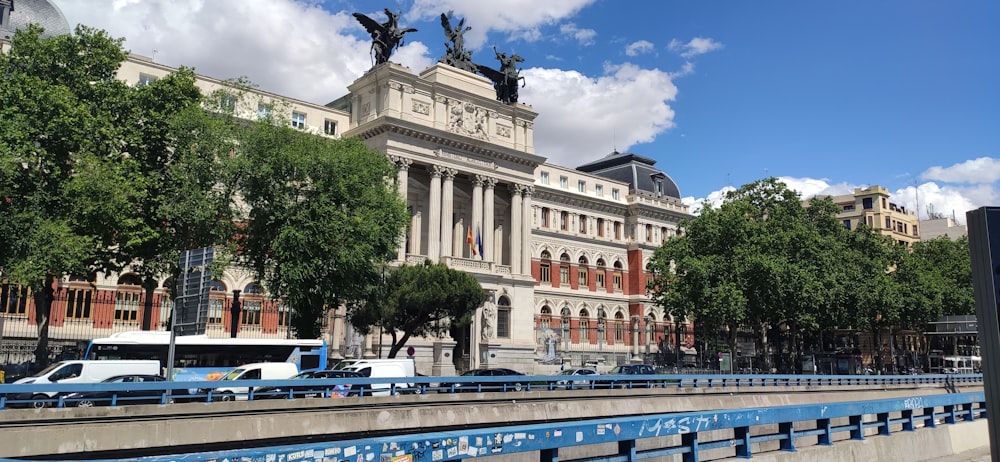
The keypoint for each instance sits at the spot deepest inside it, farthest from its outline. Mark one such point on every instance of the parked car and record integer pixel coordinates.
(517, 383)
(309, 387)
(230, 388)
(125, 395)
(81, 371)
(573, 380)
(627, 369)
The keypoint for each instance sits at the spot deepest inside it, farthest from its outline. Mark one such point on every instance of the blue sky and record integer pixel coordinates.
(828, 96)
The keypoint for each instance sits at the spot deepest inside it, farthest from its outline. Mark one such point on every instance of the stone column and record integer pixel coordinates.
(434, 224)
(402, 183)
(515, 228)
(525, 230)
(477, 212)
(447, 203)
(488, 212)
(336, 334)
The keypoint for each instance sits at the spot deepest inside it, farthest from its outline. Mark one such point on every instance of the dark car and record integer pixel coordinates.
(627, 369)
(124, 394)
(516, 383)
(309, 387)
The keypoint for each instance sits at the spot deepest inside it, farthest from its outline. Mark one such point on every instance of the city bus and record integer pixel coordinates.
(198, 357)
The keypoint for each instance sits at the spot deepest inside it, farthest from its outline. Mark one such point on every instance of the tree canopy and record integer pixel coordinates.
(320, 219)
(420, 300)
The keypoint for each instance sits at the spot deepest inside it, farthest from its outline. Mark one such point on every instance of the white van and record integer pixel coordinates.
(87, 371)
(255, 371)
(405, 363)
(378, 368)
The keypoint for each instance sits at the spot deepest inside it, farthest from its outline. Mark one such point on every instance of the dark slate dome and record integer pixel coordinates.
(636, 170)
(41, 12)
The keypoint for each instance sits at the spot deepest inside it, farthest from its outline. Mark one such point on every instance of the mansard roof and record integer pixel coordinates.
(636, 170)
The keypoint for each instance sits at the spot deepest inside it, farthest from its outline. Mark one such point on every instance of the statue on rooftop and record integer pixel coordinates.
(386, 36)
(506, 78)
(456, 55)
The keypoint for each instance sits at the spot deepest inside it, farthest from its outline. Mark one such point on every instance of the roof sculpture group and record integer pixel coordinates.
(387, 36)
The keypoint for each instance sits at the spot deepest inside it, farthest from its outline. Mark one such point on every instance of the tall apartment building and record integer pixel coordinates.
(872, 206)
(562, 252)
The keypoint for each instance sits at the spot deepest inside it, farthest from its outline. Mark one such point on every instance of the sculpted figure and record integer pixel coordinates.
(456, 54)
(386, 36)
(506, 78)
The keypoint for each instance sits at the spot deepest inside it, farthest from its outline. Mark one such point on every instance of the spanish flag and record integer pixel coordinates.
(472, 245)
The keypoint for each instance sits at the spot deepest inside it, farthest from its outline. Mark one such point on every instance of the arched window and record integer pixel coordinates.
(619, 328)
(252, 304)
(584, 326)
(545, 318)
(617, 281)
(544, 267)
(564, 269)
(503, 317)
(582, 279)
(128, 297)
(216, 301)
(600, 273)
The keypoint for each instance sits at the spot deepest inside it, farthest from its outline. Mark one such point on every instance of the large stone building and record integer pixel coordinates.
(872, 206)
(562, 252)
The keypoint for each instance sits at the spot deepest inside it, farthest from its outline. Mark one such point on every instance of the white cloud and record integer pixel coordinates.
(695, 47)
(286, 47)
(584, 37)
(981, 170)
(638, 48)
(922, 199)
(579, 114)
(515, 18)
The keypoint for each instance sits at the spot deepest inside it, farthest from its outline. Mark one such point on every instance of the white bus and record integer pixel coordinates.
(198, 357)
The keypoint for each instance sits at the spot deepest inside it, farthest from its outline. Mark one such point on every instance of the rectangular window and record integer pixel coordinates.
(563, 274)
(618, 231)
(298, 120)
(263, 111)
(866, 203)
(545, 217)
(330, 127)
(544, 273)
(564, 221)
(563, 182)
(619, 332)
(283, 314)
(146, 79)
(227, 104)
(581, 186)
(888, 223)
(503, 322)
(127, 306)
(215, 307)
(615, 194)
(847, 224)
(582, 280)
(583, 224)
(544, 177)
(871, 221)
(251, 314)
(915, 233)
(600, 227)
(584, 331)
(14, 299)
(78, 303)
(848, 207)
(618, 281)
(599, 190)
(600, 279)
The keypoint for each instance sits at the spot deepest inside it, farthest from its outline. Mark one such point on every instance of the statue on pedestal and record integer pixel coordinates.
(506, 78)
(456, 54)
(386, 36)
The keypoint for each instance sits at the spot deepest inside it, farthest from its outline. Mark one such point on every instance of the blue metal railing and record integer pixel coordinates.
(744, 427)
(38, 395)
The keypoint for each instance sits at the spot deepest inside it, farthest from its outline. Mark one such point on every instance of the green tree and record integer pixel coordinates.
(67, 183)
(763, 260)
(420, 300)
(936, 280)
(320, 219)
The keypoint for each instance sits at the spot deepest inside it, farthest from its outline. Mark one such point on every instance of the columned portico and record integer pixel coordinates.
(447, 206)
(477, 211)
(434, 227)
(402, 183)
(524, 251)
(516, 216)
(488, 211)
